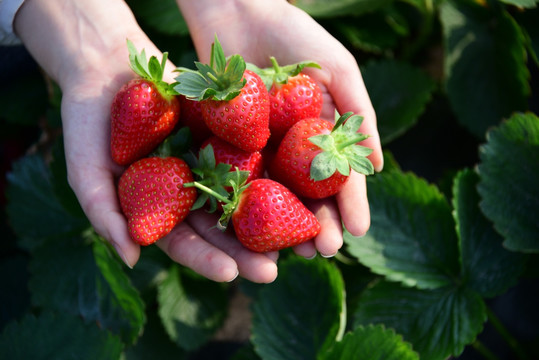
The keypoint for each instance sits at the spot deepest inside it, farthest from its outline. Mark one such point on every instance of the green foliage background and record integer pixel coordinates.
(448, 268)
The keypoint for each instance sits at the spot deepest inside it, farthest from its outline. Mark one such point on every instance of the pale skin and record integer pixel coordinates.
(81, 45)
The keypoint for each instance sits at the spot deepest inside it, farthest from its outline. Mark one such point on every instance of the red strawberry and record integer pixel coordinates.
(153, 198)
(191, 116)
(293, 96)
(236, 106)
(144, 111)
(315, 157)
(227, 153)
(266, 216)
(217, 164)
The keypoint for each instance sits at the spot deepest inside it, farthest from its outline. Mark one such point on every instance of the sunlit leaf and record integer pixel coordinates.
(371, 343)
(412, 235)
(191, 308)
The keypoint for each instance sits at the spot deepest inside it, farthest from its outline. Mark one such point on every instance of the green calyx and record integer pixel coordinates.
(214, 177)
(176, 144)
(221, 80)
(151, 69)
(340, 150)
(280, 74)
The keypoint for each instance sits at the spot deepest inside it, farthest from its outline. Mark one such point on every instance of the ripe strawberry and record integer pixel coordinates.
(236, 101)
(266, 216)
(191, 116)
(216, 166)
(314, 149)
(153, 198)
(144, 111)
(293, 96)
(227, 153)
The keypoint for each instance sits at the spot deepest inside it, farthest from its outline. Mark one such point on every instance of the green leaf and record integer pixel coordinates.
(163, 16)
(34, 211)
(508, 170)
(222, 79)
(399, 93)
(191, 308)
(324, 165)
(487, 267)
(63, 191)
(377, 32)
(439, 323)
(154, 342)
(57, 336)
(301, 313)
(528, 23)
(485, 64)
(371, 343)
(412, 235)
(333, 8)
(522, 3)
(93, 285)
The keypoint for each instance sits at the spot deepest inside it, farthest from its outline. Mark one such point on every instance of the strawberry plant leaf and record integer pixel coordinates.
(439, 322)
(94, 285)
(511, 202)
(57, 336)
(35, 212)
(522, 3)
(62, 189)
(154, 342)
(474, 36)
(399, 93)
(332, 8)
(191, 308)
(372, 342)
(486, 266)
(285, 326)
(412, 236)
(528, 23)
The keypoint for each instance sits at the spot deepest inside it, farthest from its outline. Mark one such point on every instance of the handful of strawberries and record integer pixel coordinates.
(260, 146)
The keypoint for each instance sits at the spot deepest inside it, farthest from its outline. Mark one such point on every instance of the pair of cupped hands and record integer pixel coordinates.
(82, 46)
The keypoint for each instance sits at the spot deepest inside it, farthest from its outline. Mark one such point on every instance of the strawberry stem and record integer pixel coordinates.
(208, 191)
(275, 65)
(352, 141)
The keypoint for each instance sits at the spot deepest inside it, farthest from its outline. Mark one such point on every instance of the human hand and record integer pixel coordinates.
(260, 29)
(82, 46)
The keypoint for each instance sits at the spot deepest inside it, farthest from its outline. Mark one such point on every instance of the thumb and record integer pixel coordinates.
(350, 94)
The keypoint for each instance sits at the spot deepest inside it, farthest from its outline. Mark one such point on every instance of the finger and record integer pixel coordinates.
(226, 252)
(329, 240)
(186, 247)
(91, 174)
(354, 97)
(97, 197)
(354, 205)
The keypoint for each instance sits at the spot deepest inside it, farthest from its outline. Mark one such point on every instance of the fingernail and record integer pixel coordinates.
(328, 256)
(235, 276)
(121, 254)
(311, 257)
